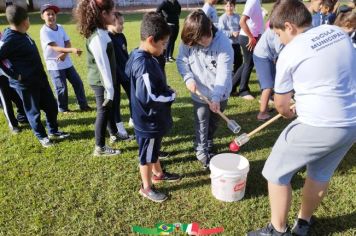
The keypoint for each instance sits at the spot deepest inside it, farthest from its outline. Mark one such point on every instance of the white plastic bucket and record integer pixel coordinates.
(228, 176)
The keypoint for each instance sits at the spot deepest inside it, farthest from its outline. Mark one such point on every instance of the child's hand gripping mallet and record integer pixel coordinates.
(231, 124)
(244, 138)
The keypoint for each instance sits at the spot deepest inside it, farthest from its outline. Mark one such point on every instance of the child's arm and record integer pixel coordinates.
(223, 71)
(98, 48)
(146, 93)
(225, 28)
(284, 86)
(251, 39)
(184, 68)
(67, 49)
(7, 49)
(161, 9)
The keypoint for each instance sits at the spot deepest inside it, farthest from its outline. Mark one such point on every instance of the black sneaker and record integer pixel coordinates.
(59, 135)
(86, 108)
(152, 194)
(301, 227)
(269, 230)
(163, 155)
(168, 177)
(65, 111)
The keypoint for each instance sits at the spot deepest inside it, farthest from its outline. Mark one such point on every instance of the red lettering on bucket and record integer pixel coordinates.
(239, 186)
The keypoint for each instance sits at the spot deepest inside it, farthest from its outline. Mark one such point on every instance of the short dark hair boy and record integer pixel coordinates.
(293, 12)
(151, 100)
(15, 15)
(153, 24)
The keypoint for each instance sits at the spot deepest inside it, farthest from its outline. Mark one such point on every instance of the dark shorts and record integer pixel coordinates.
(148, 149)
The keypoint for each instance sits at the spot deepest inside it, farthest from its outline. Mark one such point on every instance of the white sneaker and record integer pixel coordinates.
(131, 123)
(46, 142)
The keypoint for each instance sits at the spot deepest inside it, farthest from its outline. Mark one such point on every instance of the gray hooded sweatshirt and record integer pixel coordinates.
(210, 67)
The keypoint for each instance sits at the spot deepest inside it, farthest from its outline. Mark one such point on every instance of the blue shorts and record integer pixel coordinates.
(266, 72)
(148, 149)
(320, 149)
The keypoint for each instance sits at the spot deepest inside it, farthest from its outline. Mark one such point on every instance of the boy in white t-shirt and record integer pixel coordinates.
(56, 46)
(326, 106)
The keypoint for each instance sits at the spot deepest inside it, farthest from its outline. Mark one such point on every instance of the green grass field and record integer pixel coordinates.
(64, 190)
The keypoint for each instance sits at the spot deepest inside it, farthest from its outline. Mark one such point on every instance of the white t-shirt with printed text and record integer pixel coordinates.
(59, 36)
(319, 65)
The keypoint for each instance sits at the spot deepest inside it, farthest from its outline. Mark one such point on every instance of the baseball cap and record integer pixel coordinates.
(49, 6)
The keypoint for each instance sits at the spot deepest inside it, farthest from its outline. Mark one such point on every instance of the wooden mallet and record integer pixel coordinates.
(244, 138)
(231, 124)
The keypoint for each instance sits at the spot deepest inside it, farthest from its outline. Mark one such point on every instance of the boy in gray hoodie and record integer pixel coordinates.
(205, 62)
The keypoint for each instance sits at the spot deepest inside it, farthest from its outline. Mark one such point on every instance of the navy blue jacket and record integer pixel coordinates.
(121, 54)
(151, 98)
(22, 53)
(321, 19)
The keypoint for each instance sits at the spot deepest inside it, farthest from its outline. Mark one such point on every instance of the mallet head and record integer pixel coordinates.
(233, 126)
(234, 147)
(242, 139)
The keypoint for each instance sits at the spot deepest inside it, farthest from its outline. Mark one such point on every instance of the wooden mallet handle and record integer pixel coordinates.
(209, 103)
(267, 123)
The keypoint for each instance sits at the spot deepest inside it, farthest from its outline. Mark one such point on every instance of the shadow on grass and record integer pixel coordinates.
(187, 185)
(334, 224)
(171, 160)
(67, 121)
(83, 135)
(256, 183)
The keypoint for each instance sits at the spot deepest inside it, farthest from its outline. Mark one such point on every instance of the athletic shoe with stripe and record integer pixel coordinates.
(59, 135)
(168, 177)
(152, 194)
(105, 151)
(46, 142)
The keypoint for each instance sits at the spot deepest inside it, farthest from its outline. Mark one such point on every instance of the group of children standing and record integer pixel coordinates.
(205, 62)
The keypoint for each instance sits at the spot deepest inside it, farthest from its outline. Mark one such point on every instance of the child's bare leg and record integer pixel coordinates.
(157, 169)
(146, 175)
(265, 96)
(280, 197)
(312, 194)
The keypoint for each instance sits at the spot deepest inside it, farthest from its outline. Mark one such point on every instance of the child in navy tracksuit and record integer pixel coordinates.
(28, 77)
(7, 96)
(121, 55)
(151, 100)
